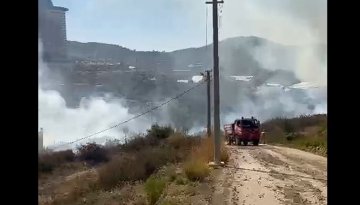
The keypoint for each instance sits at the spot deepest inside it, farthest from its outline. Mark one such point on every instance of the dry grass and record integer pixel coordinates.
(49, 161)
(205, 151)
(120, 169)
(144, 157)
(196, 167)
(74, 188)
(135, 166)
(131, 164)
(196, 170)
(177, 140)
(82, 188)
(225, 156)
(168, 203)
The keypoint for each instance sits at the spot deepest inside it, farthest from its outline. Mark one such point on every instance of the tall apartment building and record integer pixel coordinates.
(52, 30)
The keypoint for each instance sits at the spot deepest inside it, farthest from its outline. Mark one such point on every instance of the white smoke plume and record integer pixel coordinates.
(63, 124)
(301, 26)
(274, 102)
(295, 23)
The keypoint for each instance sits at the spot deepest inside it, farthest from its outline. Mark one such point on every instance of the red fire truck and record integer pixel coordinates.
(242, 131)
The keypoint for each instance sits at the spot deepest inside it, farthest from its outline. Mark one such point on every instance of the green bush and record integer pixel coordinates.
(180, 181)
(135, 144)
(161, 136)
(45, 166)
(160, 132)
(92, 153)
(140, 142)
(288, 126)
(154, 187)
(290, 136)
(171, 173)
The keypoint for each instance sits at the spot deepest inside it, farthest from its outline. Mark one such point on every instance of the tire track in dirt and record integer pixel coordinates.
(252, 187)
(303, 190)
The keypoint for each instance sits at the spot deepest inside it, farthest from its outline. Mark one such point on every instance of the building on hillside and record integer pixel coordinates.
(52, 31)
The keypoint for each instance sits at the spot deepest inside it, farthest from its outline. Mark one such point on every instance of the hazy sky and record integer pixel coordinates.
(175, 24)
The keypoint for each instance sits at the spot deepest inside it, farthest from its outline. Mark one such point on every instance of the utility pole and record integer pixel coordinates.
(216, 83)
(208, 81)
(208, 103)
(207, 78)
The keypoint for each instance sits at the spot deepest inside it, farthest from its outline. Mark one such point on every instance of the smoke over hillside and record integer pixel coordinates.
(94, 112)
(64, 124)
(296, 52)
(295, 23)
(300, 30)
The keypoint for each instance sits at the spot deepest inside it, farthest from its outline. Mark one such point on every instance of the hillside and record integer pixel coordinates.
(238, 56)
(138, 77)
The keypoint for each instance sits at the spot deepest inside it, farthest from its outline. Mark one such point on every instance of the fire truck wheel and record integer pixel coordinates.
(245, 143)
(256, 142)
(237, 141)
(229, 141)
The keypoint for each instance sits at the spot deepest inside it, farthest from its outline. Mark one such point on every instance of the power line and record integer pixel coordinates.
(136, 116)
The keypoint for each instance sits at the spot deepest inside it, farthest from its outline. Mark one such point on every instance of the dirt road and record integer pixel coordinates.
(270, 175)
